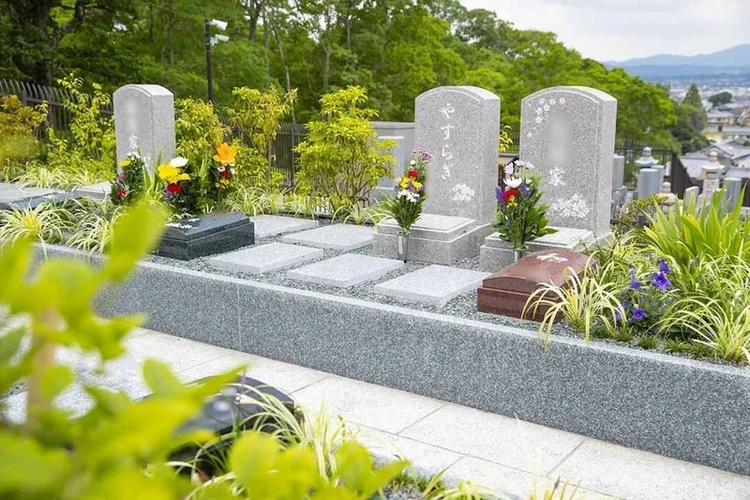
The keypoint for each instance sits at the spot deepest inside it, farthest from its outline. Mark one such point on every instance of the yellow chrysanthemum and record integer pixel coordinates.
(225, 154)
(171, 174)
(417, 185)
(124, 163)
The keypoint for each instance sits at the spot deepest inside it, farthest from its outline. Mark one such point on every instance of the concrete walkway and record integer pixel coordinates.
(491, 450)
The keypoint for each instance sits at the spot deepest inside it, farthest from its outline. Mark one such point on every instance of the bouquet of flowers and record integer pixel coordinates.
(521, 217)
(176, 183)
(220, 177)
(406, 206)
(128, 185)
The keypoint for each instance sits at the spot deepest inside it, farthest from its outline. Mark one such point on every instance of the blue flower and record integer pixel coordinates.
(618, 316)
(638, 314)
(626, 304)
(499, 194)
(661, 281)
(634, 283)
(663, 266)
(525, 191)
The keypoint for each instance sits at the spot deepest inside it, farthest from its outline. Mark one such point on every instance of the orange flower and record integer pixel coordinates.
(225, 154)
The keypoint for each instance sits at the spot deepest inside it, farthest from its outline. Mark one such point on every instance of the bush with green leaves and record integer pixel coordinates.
(198, 130)
(86, 154)
(18, 143)
(120, 448)
(342, 159)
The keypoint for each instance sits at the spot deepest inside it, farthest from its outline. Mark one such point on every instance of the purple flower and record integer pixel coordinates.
(663, 266)
(499, 194)
(661, 281)
(626, 304)
(525, 191)
(638, 314)
(121, 177)
(634, 283)
(618, 316)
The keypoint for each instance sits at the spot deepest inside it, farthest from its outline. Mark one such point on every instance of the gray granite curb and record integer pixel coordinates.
(682, 408)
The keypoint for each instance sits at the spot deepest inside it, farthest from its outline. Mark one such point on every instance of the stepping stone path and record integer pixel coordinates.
(345, 270)
(434, 285)
(264, 258)
(267, 226)
(343, 237)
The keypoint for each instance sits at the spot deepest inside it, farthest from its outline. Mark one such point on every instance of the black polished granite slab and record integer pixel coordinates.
(206, 234)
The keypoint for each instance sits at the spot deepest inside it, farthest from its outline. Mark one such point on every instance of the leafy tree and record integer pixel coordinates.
(720, 98)
(693, 97)
(342, 159)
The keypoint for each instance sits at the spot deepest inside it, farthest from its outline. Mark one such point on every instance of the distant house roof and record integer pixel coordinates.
(736, 130)
(742, 173)
(724, 150)
(719, 114)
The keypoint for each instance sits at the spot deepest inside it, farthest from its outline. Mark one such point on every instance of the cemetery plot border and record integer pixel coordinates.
(687, 409)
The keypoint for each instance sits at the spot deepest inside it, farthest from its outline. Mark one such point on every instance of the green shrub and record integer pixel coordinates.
(197, 130)
(87, 153)
(342, 159)
(258, 117)
(18, 143)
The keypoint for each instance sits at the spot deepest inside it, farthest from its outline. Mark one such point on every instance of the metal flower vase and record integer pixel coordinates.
(402, 246)
(518, 253)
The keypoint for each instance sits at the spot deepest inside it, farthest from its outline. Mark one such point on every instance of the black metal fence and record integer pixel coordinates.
(31, 94)
(678, 174)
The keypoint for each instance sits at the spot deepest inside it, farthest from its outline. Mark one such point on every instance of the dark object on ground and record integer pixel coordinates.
(206, 234)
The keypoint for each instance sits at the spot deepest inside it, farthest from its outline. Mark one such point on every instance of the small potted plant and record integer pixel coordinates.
(521, 216)
(406, 206)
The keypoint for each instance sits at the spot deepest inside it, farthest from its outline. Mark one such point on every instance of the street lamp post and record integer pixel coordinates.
(210, 41)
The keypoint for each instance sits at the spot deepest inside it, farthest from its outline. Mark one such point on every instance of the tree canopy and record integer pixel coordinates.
(396, 49)
(720, 98)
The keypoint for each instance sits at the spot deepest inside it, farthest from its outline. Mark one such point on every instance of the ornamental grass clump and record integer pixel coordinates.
(521, 216)
(406, 206)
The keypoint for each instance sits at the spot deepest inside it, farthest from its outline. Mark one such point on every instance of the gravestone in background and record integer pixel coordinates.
(568, 134)
(144, 123)
(460, 127)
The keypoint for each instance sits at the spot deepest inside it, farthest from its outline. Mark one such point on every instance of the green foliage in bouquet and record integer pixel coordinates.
(129, 184)
(406, 206)
(521, 216)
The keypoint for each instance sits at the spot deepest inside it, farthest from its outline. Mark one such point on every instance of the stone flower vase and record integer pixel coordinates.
(402, 246)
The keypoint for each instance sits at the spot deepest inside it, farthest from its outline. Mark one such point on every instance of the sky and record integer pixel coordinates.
(624, 29)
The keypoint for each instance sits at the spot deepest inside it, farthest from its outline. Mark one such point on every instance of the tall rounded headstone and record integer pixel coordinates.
(144, 123)
(460, 127)
(568, 134)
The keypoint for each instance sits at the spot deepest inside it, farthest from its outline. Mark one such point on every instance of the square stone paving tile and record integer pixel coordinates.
(273, 225)
(632, 473)
(425, 459)
(345, 270)
(264, 258)
(497, 438)
(343, 237)
(371, 405)
(435, 285)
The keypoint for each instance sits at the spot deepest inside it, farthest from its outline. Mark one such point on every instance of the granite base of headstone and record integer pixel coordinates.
(437, 239)
(206, 234)
(497, 254)
(508, 291)
(15, 198)
(239, 406)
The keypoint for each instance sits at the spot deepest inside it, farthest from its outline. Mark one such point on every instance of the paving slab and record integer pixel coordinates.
(343, 237)
(267, 226)
(435, 285)
(264, 258)
(371, 405)
(345, 270)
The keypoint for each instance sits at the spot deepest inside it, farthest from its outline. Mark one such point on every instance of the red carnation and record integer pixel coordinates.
(507, 195)
(225, 174)
(174, 188)
(413, 174)
(121, 193)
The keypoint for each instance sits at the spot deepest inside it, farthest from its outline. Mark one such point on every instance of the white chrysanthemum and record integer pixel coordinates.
(179, 162)
(410, 196)
(513, 182)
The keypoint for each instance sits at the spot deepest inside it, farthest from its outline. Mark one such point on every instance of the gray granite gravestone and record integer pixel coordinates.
(568, 133)
(732, 189)
(649, 182)
(618, 172)
(144, 123)
(460, 127)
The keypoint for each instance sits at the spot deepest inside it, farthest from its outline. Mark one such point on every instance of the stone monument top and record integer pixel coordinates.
(460, 127)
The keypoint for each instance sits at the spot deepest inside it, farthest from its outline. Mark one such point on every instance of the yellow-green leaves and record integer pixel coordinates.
(135, 233)
(160, 379)
(356, 471)
(253, 459)
(28, 468)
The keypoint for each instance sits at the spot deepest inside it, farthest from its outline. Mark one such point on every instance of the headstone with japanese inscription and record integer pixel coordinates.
(144, 123)
(568, 134)
(460, 128)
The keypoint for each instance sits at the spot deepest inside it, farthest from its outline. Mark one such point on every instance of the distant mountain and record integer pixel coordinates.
(735, 57)
(733, 63)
